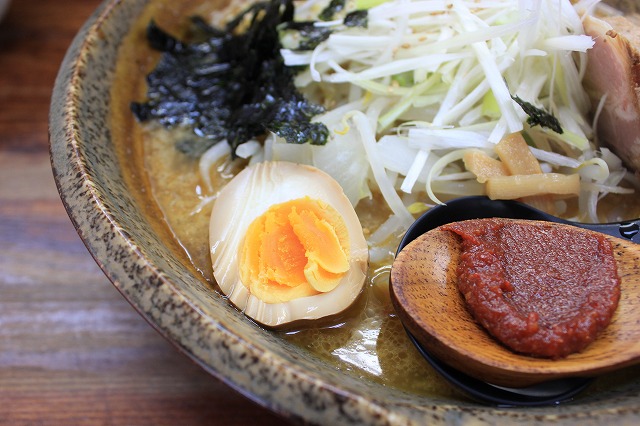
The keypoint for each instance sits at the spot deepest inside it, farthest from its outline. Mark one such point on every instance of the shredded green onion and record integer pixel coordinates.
(426, 80)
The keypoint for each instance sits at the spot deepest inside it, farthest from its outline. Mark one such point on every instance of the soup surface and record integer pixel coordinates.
(369, 341)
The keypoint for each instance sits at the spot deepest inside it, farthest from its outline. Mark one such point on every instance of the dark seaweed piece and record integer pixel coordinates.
(160, 40)
(297, 130)
(310, 35)
(333, 8)
(538, 116)
(357, 18)
(229, 85)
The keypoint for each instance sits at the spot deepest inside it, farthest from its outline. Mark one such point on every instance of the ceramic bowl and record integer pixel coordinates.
(114, 219)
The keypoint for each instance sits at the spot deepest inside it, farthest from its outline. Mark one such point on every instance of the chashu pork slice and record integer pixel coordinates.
(613, 69)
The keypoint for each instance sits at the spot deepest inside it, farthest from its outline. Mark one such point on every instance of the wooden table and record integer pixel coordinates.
(72, 350)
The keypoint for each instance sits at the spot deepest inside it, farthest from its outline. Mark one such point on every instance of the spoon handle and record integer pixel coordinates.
(478, 207)
(629, 230)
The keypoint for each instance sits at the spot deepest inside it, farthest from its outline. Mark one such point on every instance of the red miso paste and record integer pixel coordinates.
(540, 289)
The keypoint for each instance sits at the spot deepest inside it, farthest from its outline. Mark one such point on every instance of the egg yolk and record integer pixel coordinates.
(295, 249)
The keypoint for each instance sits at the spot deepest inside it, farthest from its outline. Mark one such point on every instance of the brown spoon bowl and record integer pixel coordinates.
(426, 297)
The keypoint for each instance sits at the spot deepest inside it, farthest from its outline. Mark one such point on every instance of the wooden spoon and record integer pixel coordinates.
(426, 297)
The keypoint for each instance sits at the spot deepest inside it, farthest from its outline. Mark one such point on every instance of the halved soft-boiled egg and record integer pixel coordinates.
(286, 244)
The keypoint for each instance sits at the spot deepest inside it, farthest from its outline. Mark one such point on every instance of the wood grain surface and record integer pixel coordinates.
(72, 350)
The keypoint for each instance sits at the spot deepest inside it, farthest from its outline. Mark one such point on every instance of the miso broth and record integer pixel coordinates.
(370, 342)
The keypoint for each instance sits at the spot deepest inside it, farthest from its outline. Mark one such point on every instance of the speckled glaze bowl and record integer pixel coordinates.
(117, 225)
